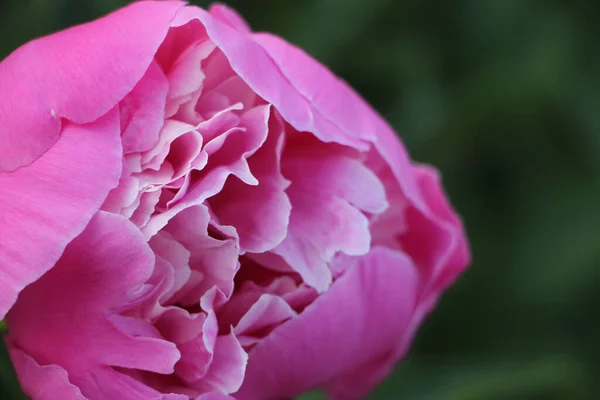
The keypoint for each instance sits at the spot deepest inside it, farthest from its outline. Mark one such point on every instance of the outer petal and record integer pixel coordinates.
(230, 17)
(48, 382)
(327, 341)
(45, 205)
(79, 330)
(78, 74)
(454, 257)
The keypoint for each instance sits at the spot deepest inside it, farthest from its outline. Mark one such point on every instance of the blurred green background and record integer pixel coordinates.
(503, 97)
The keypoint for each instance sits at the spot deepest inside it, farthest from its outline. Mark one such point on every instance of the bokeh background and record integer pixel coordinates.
(503, 97)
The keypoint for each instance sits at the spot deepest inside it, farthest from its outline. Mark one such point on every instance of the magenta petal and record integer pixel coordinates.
(249, 60)
(265, 226)
(226, 372)
(100, 271)
(48, 382)
(456, 256)
(337, 109)
(318, 229)
(361, 319)
(62, 76)
(230, 17)
(106, 383)
(143, 111)
(214, 396)
(268, 311)
(215, 260)
(338, 176)
(45, 205)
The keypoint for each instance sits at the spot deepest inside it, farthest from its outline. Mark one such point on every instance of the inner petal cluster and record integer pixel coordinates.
(244, 214)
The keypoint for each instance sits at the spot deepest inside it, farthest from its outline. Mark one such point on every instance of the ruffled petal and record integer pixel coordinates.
(258, 59)
(216, 260)
(260, 214)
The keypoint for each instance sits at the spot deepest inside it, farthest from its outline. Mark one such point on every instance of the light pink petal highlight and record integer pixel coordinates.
(143, 111)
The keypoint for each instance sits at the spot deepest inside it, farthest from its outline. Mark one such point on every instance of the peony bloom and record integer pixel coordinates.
(190, 210)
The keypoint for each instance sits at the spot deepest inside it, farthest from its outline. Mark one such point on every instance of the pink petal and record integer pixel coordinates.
(186, 76)
(260, 214)
(456, 255)
(214, 396)
(99, 272)
(143, 111)
(318, 229)
(106, 383)
(369, 375)
(338, 111)
(169, 148)
(216, 260)
(268, 312)
(339, 176)
(260, 70)
(327, 342)
(230, 17)
(46, 204)
(177, 256)
(47, 382)
(62, 76)
(226, 372)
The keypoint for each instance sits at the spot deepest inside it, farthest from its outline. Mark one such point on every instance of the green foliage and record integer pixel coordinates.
(502, 96)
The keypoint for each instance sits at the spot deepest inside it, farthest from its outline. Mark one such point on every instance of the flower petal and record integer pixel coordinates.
(258, 69)
(47, 382)
(359, 320)
(260, 214)
(143, 111)
(45, 205)
(78, 74)
(226, 372)
(100, 271)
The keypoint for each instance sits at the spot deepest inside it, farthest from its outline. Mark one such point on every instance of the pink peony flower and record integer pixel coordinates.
(190, 210)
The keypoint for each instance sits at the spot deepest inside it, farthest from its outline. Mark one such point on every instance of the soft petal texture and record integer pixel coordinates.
(47, 382)
(265, 227)
(227, 15)
(55, 76)
(202, 212)
(143, 111)
(359, 320)
(98, 274)
(456, 256)
(45, 205)
(269, 80)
